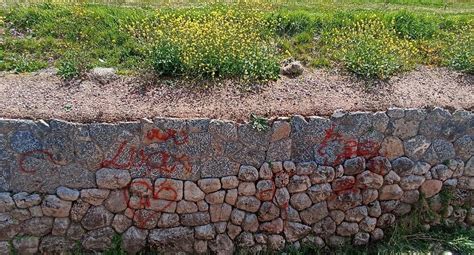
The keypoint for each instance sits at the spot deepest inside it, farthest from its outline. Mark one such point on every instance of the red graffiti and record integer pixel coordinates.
(167, 162)
(146, 198)
(156, 135)
(350, 147)
(24, 156)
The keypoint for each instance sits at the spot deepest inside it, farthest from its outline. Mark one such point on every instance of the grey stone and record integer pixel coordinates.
(216, 197)
(391, 178)
(385, 220)
(219, 167)
(205, 232)
(26, 245)
(20, 214)
(390, 192)
(108, 178)
(276, 242)
(410, 196)
(78, 210)
(248, 173)
(295, 231)
(298, 184)
(231, 196)
(464, 147)
(53, 206)
(314, 213)
(273, 227)
(98, 239)
(134, 240)
(184, 206)
(403, 166)
(439, 151)
(200, 247)
(388, 206)
(347, 229)
(168, 220)
(368, 224)
(392, 147)
(179, 239)
(36, 211)
(168, 189)
(195, 219)
(209, 185)
(411, 182)
(248, 203)
(6, 202)
(9, 226)
(116, 202)
(319, 192)
(245, 239)
(24, 141)
(281, 179)
(441, 172)
(323, 174)
(345, 199)
(300, 201)
(268, 211)
(97, 217)
(354, 166)
(337, 216)
(306, 168)
(237, 216)
(356, 214)
(247, 189)
(265, 190)
(75, 231)
(67, 194)
(292, 69)
(369, 196)
(23, 200)
(5, 248)
(37, 226)
(369, 180)
(121, 223)
(379, 165)
(279, 150)
(402, 209)
(374, 209)
(457, 166)
(94, 196)
(192, 192)
(220, 212)
(361, 238)
(265, 172)
(55, 245)
(230, 182)
(282, 197)
(421, 168)
(60, 226)
(343, 183)
(103, 75)
(222, 245)
(377, 234)
(416, 147)
(325, 227)
(250, 223)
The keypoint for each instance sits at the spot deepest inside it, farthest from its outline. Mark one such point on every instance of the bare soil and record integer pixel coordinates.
(316, 92)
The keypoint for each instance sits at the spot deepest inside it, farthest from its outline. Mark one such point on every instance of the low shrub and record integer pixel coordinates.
(370, 49)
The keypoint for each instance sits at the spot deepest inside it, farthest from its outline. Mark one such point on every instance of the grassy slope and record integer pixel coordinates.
(367, 38)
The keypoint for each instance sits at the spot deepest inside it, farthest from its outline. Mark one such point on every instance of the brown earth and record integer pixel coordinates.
(317, 92)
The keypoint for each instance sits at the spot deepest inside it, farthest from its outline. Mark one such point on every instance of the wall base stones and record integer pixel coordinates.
(210, 186)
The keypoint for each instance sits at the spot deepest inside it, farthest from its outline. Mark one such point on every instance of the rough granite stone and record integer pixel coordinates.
(108, 178)
(55, 207)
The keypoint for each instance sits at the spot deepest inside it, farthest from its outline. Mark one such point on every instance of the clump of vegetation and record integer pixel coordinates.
(369, 48)
(222, 42)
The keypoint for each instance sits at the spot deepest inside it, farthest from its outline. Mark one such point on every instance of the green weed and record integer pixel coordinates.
(259, 123)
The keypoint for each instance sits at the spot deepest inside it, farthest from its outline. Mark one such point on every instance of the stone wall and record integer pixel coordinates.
(202, 185)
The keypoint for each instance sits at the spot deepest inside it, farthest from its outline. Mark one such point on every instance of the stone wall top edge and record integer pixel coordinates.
(390, 111)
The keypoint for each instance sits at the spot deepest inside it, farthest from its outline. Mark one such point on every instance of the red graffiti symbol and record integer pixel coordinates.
(146, 201)
(25, 155)
(113, 163)
(157, 135)
(350, 147)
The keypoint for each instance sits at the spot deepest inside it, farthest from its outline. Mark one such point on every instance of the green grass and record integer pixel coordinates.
(372, 39)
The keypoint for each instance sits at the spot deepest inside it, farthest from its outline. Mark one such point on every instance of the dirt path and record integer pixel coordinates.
(317, 92)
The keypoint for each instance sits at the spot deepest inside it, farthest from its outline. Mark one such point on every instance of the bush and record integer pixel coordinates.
(220, 42)
(370, 49)
(73, 65)
(414, 27)
(166, 59)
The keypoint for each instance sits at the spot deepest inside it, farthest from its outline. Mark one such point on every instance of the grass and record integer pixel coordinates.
(372, 39)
